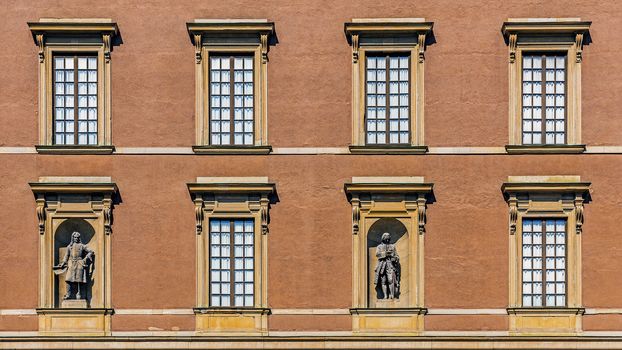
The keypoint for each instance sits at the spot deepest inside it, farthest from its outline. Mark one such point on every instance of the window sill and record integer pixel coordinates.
(57, 149)
(383, 149)
(545, 310)
(231, 310)
(391, 311)
(232, 150)
(545, 149)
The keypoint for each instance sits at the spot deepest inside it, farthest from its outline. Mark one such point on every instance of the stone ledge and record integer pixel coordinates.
(57, 149)
(231, 150)
(355, 149)
(545, 149)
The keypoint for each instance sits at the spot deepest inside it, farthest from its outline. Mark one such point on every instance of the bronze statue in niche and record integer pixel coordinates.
(77, 264)
(387, 272)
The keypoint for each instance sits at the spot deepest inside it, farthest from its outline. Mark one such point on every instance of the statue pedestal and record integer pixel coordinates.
(73, 304)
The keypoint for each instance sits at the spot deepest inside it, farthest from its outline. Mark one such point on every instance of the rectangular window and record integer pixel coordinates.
(232, 109)
(231, 263)
(544, 99)
(544, 263)
(387, 116)
(75, 100)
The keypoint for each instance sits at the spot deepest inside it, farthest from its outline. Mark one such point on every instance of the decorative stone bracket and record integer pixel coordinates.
(550, 32)
(253, 198)
(416, 197)
(201, 30)
(359, 29)
(77, 28)
(44, 189)
(518, 196)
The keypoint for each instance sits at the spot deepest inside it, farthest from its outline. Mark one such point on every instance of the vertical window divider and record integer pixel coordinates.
(76, 84)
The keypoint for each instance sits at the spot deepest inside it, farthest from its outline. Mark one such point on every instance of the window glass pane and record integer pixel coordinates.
(543, 261)
(379, 97)
(548, 70)
(232, 240)
(227, 103)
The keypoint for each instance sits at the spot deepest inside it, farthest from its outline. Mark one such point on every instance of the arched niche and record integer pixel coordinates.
(62, 238)
(400, 237)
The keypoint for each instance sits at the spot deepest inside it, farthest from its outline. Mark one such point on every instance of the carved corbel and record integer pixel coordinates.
(512, 47)
(198, 43)
(421, 212)
(356, 214)
(198, 213)
(41, 214)
(264, 48)
(39, 39)
(579, 44)
(264, 203)
(355, 48)
(421, 48)
(578, 204)
(107, 216)
(107, 47)
(513, 203)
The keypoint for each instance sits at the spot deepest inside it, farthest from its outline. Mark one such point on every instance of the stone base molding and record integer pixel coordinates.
(315, 342)
(232, 321)
(84, 321)
(541, 321)
(388, 321)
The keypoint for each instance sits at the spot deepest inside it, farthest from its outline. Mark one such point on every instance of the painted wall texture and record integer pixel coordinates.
(309, 105)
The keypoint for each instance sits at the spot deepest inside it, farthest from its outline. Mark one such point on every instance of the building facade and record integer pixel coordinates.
(308, 174)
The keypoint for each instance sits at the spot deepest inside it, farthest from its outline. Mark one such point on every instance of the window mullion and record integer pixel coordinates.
(543, 97)
(75, 100)
(544, 280)
(387, 104)
(231, 100)
(231, 261)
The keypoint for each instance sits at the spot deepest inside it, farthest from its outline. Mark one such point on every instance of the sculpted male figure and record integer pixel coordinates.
(76, 262)
(388, 268)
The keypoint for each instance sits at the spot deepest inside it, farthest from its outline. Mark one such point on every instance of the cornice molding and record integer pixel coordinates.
(544, 26)
(74, 27)
(405, 188)
(73, 187)
(581, 188)
(229, 27)
(387, 27)
(232, 188)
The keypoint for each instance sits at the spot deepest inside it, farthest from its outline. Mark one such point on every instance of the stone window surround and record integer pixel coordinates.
(232, 198)
(541, 35)
(357, 33)
(230, 34)
(50, 193)
(406, 198)
(74, 35)
(544, 197)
